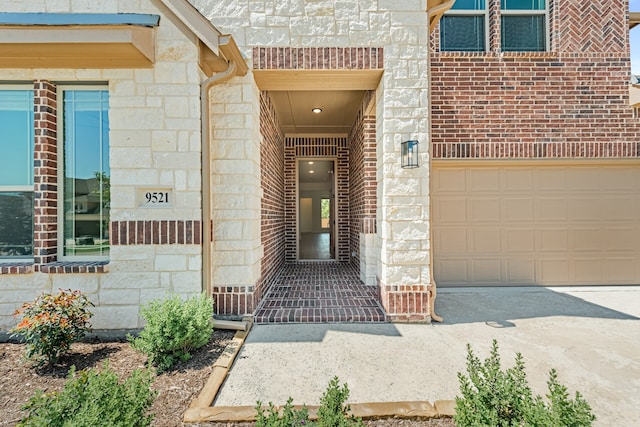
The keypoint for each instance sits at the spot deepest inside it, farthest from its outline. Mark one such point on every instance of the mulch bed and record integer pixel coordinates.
(176, 389)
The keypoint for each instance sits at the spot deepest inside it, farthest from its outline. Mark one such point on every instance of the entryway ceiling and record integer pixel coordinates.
(339, 110)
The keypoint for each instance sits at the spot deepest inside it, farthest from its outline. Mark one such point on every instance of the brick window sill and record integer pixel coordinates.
(553, 55)
(71, 267)
(16, 268)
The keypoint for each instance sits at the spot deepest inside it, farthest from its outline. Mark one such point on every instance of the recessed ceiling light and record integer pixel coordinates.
(316, 110)
(310, 163)
(311, 171)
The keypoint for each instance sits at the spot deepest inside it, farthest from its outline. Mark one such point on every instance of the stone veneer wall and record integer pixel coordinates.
(154, 143)
(362, 186)
(570, 102)
(236, 197)
(273, 188)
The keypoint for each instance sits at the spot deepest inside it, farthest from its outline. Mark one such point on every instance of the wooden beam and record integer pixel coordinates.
(294, 80)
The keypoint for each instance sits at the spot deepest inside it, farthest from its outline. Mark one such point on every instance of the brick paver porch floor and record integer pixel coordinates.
(319, 292)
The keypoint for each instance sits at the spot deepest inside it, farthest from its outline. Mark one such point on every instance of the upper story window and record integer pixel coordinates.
(16, 173)
(463, 27)
(523, 25)
(85, 177)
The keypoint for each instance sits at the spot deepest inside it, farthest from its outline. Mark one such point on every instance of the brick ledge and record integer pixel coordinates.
(75, 267)
(16, 268)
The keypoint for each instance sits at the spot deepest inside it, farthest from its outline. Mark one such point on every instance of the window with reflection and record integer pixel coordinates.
(463, 27)
(523, 25)
(86, 194)
(16, 173)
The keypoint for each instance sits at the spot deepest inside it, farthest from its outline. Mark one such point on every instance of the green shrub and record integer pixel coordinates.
(94, 398)
(290, 416)
(493, 397)
(332, 411)
(174, 328)
(560, 410)
(51, 323)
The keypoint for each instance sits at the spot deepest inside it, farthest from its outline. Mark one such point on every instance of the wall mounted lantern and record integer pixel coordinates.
(410, 154)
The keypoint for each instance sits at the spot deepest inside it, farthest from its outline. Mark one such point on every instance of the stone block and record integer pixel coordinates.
(116, 317)
(409, 230)
(15, 298)
(164, 140)
(187, 282)
(119, 296)
(131, 118)
(170, 72)
(170, 263)
(129, 138)
(176, 160)
(131, 157)
(86, 283)
(410, 257)
(148, 295)
(130, 280)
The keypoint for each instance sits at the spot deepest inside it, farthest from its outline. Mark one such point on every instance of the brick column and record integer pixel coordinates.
(45, 174)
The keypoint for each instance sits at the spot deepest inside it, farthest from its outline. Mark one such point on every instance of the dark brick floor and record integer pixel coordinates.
(319, 292)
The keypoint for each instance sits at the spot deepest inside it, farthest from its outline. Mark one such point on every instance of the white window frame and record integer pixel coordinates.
(472, 12)
(19, 188)
(60, 89)
(528, 12)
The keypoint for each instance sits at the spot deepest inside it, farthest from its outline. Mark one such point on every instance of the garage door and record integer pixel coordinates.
(536, 224)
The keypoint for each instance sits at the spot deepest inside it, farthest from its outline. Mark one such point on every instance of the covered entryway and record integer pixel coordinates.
(536, 223)
(318, 163)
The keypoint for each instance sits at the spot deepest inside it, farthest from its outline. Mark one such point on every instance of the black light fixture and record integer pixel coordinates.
(410, 154)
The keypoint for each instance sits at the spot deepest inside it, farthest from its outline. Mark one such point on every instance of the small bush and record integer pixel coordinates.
(51, 323)
(94, 398)
(290, 416)
(174, 328)
(332, 411)
(493, 397)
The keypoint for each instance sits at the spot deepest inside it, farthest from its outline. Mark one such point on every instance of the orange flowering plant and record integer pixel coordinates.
(51, 323)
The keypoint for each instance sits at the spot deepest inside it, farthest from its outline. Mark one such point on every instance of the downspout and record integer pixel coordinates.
(433, 292)
(207, 237)
(435, 9)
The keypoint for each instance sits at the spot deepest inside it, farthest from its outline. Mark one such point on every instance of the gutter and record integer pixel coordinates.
(236, 66)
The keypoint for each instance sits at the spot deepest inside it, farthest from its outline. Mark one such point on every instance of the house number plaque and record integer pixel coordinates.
(155, 197)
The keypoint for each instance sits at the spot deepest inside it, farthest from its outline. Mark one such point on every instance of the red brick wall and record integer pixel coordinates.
(272, 174)
(45, 174)
(362, 177)
(156, 232)
(570, 102)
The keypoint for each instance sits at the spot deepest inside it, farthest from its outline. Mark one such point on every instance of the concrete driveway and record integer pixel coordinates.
(591, 335)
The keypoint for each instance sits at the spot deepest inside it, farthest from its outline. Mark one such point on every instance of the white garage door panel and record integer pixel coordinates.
(536, 224)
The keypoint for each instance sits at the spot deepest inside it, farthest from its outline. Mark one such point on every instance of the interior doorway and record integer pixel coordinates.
(316, 209)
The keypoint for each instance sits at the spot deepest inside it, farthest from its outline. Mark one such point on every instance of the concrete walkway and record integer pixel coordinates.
(591, 335)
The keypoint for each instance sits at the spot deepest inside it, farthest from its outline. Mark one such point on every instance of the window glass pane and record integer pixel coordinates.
(468, 5)
(16, 224)
(523, 33)
(522, 4)
(462, 33)
(86, 173)
(16, 137)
